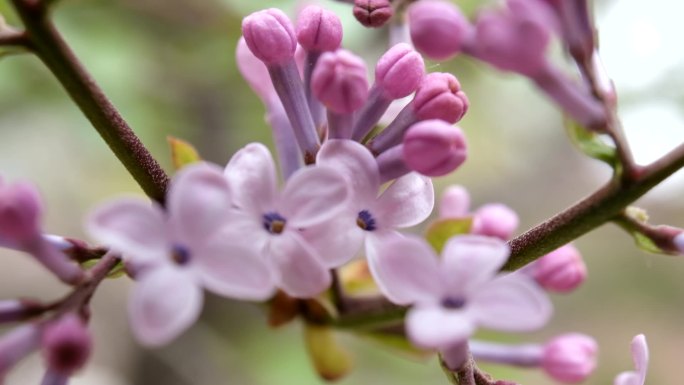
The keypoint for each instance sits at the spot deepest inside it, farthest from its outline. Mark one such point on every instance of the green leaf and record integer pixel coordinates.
(182, 153)
(645, 243)
(590, 143)
(441, 230)
(116, 272)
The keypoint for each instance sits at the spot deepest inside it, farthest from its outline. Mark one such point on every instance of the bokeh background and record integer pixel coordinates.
(168, 65)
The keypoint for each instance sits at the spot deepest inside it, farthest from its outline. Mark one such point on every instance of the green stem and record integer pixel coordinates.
(48, 44)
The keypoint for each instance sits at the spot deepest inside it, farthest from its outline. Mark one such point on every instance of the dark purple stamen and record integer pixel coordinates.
(180, 254)
(365, 220)
(453, 303)
(274, 223)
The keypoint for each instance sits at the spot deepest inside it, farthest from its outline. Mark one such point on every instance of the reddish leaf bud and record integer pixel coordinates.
(372, 13)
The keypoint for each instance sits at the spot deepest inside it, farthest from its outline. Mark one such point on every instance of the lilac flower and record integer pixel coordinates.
(454, 295)
(370, 216)
(640, 358)
(570, 358)
(272, 221)
(179, 252)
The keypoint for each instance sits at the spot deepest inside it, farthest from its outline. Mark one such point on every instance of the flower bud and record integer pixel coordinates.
(678, 241)
(495, 220)
(440, 97)
(561, 271)
(570, 358)
(372, 13)
(339, 81)
(454, 203)
(270, 36)
(20, 212)
(438, 28)
(67, 344)
(434, 147)
(399, 71)
(319, 30)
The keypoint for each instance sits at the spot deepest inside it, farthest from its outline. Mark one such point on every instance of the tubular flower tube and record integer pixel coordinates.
(372, 13)
(438, 28)
(17, 344)
(434, 148)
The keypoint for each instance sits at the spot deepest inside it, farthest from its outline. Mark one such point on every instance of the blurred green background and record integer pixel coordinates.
(168, 65)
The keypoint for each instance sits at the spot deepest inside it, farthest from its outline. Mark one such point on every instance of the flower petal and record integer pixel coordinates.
(434, 327)
(252, 177)
(132, 226)
(405, 269)
(627, 378)
(406, 202)
(472, 260)
(640, 357)
(314, 195)
(511, 303)
(302, 273)
(354, 161)
(199, 203)
(163, 305)
(337, 241)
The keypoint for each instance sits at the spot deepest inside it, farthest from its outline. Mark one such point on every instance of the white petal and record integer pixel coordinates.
(405, 269)
(356, 162)
(511, 303)
(302, 273)
(434, 327)
(314, 195)
(163, 305)
(472, 260)
(406, 202)
(337, 241)
(252, 177)
(639, 349)
(132, 226)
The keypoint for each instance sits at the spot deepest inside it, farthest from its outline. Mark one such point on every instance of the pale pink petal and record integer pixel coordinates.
(252, 177)
(472, 260)
(405, 269)
(406, 202)
(314, 195)
(511, 303)
(133, 227)
(640, 357)
(199, 203)
(628, 378)
(356, 162)
(231, 267)
(434, 327)
(302, 273)
(163, 305)
(337, 241)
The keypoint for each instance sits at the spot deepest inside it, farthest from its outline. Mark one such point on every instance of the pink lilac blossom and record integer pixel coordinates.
(640, 357)
(570, 358)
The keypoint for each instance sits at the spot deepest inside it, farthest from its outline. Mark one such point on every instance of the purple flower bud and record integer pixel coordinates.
(438, 28)
(455, 202)
(440, 97)
(20, 212)
(570, 358)
(434, 147)
(678, 241)
(495, 220)
(67, 344)
(270, 36)
(319, 30)
(372, 13)
(339, 81)
(399, 71)
(17, 344)
(561, 271)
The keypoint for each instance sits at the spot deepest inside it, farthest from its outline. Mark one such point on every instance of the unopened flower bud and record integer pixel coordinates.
(455, 202)
(561, 271)
(570, 358)
(440, 97)
(67, 344)
(679, 242)
(17, 344)
(319, 30)
(438, 28)
(372, 13)
(20, 212)
(399, 71)
(339, 81)
(270, 36)
(495, 220)
(434, 147)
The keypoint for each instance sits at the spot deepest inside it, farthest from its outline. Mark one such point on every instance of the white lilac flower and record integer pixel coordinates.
(178, 252)
(640, 357)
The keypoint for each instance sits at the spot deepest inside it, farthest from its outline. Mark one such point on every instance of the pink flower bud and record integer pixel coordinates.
(438, 28)
(561, 271)
(570, 358)
(319, 30)
(20, 212)
(495, 220)
(339, 81)
(67, 344)
(399, 71)
(440, 97)
(434, 147)
(372, 13)
(270, 36)
(454, 203)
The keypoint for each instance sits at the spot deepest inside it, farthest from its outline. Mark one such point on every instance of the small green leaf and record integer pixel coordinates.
(441, 230)
(645, 243)
(116, 272)
(182, 153)
(590, 143)
(331, 361)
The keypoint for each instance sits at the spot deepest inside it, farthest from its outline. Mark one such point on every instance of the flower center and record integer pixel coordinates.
(180, 254)
(274, 223)
(365, 220)
(453, 302)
